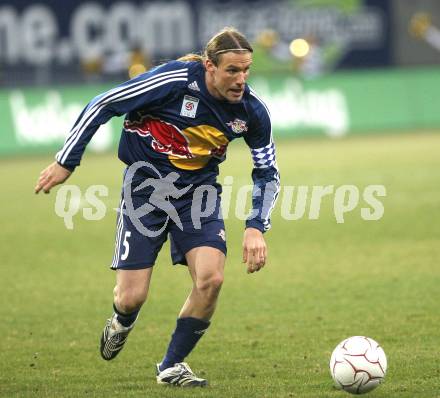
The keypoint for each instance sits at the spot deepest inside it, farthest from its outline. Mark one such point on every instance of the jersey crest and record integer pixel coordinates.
(189, 106)
(238, 126)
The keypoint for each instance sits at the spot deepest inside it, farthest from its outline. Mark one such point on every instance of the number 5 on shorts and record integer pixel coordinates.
(126, 246)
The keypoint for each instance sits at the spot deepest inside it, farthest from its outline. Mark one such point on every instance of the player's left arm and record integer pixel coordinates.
(266, 178)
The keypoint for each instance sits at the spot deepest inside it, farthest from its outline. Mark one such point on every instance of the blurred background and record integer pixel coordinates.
(324, 67)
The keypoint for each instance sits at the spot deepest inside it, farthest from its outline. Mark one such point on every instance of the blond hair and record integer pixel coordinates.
(228, 39)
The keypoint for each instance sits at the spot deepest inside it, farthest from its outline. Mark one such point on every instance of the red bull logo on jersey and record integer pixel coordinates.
(190, 149)
(205, 142)
(219, 152)
(165, 137)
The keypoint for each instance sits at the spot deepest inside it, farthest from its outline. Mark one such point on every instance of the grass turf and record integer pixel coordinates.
(274, 331)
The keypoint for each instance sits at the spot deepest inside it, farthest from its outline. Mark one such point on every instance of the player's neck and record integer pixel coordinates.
(211, 88)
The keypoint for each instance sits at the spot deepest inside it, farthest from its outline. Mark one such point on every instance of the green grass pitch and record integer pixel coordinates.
(274, 331)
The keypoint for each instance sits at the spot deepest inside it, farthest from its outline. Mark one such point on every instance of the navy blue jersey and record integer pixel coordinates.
(173, 122)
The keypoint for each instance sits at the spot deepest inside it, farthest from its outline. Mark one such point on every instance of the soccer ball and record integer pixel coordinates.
(358, 365)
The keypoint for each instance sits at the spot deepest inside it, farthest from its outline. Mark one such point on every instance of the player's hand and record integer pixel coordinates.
(52, 175)
(254, 250)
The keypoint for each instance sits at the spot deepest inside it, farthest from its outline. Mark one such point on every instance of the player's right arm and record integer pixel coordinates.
(52, 175)
(155, 85)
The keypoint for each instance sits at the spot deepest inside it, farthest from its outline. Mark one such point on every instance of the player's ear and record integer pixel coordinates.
(209, 65)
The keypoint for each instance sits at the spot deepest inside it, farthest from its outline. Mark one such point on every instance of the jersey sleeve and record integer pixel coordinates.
(154, 85)
(265, 174)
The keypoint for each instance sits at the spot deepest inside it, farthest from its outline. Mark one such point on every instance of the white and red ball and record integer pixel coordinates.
(358, 365)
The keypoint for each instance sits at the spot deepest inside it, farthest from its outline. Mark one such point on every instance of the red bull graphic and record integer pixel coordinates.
(205, 142)
(166, 138)
(219, 152)
(189, 149)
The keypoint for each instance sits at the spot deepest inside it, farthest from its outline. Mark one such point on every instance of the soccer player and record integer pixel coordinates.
(180, 117)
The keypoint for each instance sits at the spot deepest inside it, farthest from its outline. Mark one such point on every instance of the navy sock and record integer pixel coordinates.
(186, 335)
(125, 319)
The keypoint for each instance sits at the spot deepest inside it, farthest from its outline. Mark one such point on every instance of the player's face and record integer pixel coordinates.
(227, 80)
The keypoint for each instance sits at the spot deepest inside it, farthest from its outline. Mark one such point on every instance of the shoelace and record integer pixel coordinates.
(185, 371)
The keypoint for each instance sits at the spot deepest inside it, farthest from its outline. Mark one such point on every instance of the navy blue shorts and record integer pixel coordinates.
(140, 235)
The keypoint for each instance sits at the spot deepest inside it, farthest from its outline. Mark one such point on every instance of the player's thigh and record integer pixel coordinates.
(131, 288)
(133, 281)
(206, 265)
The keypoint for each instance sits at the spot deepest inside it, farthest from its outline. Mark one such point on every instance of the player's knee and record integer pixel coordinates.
(129, 301)
(211, 285)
